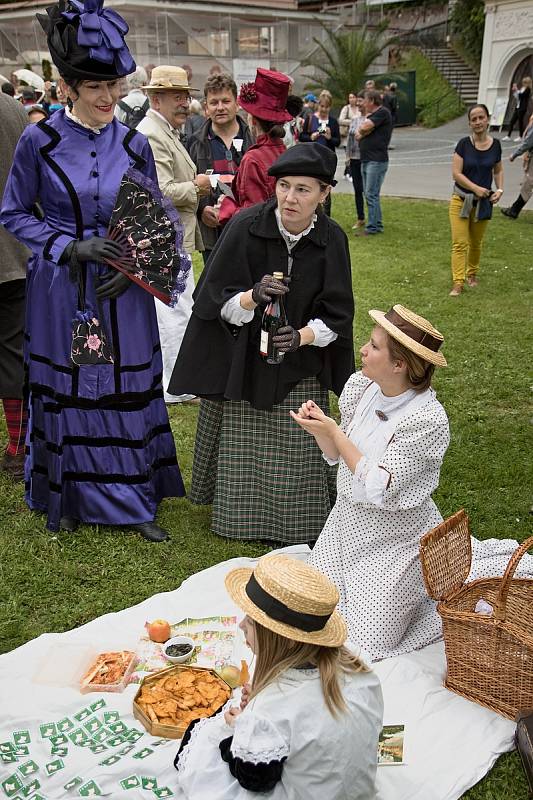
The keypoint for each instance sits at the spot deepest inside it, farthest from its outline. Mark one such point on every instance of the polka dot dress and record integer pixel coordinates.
(369, 545)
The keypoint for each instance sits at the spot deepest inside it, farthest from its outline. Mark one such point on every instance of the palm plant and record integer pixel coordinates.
(342, 60)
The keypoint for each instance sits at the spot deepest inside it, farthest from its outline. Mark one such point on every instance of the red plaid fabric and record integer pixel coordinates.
(17, 422)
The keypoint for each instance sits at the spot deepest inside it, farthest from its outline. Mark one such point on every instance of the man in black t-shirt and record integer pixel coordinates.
(374, 135)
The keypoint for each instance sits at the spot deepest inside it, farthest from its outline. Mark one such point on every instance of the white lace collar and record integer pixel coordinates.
(77, 120)
(293, 238)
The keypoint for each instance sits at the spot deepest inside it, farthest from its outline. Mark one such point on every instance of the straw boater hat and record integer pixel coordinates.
(290, 598)
(414, 332)
(169, 78)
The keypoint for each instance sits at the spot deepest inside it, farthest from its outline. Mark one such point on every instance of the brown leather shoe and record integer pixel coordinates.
(14, 466)
(472, 281)
(457, 288)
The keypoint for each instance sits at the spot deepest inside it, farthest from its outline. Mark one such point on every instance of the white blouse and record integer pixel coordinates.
(333, 758)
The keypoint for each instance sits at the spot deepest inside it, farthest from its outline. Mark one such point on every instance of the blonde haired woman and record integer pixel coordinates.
(308, 727)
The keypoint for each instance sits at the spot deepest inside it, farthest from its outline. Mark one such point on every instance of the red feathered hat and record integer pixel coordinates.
(266, 97)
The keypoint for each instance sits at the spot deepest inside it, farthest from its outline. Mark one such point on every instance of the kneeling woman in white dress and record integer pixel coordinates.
(390, 446)
(309, 725)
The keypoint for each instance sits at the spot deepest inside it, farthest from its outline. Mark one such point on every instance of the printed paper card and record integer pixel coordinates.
(391, 745)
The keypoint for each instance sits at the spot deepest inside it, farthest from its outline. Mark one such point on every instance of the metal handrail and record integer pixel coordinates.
(435, 104)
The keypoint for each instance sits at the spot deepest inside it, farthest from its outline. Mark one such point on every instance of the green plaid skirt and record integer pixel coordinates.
(264, 475)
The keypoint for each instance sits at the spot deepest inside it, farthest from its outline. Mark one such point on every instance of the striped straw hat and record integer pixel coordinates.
(290, 598)
(414, 332)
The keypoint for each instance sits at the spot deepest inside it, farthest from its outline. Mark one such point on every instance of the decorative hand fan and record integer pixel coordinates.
(148, 227)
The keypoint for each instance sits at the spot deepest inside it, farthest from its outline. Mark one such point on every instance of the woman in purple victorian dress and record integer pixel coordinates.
(100, 445)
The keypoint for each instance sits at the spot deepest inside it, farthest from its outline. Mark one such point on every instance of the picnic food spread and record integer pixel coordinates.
(180, 695)
(107, 669)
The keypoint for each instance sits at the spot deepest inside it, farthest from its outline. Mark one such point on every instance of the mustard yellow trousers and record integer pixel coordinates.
(467, 238)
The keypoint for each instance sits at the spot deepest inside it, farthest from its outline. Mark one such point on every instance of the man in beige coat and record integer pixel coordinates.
(169, 95)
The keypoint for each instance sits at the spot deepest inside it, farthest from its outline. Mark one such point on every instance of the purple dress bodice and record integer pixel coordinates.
(100, 445)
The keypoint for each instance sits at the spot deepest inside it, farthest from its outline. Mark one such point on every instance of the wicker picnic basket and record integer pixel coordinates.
(489, 657)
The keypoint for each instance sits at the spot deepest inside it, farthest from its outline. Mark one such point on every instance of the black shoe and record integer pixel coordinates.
(151, 531)
(14, 466)
(68, 524)
(514, 210)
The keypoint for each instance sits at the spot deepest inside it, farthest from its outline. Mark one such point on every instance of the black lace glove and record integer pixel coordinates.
(267, 288)
(113, 287)
(287, 339)
(96, 248)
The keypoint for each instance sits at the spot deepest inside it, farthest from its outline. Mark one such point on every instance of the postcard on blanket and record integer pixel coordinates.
(391, 745)
(215, 639)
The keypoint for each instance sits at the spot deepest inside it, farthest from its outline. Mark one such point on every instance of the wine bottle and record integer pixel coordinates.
(274, 317)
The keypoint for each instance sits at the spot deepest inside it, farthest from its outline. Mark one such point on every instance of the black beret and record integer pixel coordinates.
(307, 158)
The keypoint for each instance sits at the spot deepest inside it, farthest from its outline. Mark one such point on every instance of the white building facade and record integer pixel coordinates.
(507, 49)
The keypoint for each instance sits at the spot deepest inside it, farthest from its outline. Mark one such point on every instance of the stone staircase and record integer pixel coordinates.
(452, 67)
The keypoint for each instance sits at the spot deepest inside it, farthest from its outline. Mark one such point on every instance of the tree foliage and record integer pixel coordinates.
(342, 60)
(468, 24)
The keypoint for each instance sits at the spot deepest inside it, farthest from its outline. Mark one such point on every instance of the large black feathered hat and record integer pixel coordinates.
(86, 41)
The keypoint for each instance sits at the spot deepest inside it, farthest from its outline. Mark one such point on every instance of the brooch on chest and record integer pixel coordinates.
(381, 415)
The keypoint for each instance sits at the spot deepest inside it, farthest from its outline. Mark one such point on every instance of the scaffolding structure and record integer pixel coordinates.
(238, 38)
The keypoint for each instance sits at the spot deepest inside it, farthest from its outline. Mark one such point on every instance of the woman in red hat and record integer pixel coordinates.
(265, 100)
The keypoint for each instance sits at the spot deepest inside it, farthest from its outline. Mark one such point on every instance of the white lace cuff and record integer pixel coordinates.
(184, 755)
(371, 480)
(323, 334)
(233, 313)
(256, 740)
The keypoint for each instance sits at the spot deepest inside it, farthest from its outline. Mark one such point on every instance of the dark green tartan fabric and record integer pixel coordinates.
(264, 475)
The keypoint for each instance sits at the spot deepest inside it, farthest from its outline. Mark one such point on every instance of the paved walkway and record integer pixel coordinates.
(420, 164)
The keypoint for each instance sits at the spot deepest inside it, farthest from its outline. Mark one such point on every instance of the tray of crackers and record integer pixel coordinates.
(108, 672)
(168, 701)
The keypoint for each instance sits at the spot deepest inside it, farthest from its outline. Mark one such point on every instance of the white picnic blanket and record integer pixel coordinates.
(450, 743)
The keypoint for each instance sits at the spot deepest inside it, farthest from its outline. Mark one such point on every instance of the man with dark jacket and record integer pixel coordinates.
(13, 120)
(374, 136)
(219, 146)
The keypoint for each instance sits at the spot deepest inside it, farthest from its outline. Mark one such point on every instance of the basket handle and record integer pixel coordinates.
(500, 603)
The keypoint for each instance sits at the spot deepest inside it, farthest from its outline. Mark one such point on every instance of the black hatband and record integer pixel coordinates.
(280, 612)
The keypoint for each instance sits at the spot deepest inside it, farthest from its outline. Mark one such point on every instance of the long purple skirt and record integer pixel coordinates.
(100, 448)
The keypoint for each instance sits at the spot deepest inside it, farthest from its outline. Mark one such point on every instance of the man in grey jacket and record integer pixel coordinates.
(14, 257)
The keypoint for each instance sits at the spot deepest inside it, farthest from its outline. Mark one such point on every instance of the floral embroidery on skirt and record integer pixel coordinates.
(89, 342)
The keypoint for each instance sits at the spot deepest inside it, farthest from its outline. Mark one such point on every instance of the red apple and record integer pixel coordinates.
(158, 630)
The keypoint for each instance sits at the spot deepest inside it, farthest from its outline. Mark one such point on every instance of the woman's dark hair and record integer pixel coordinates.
(273, 129)
(294, 105)
(419, 371)
(74, 84)
(8, 88)
(478, 105)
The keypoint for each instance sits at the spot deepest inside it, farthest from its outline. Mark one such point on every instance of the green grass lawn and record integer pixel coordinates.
(54, 582)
